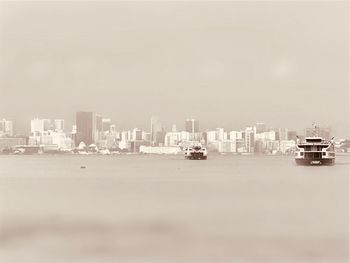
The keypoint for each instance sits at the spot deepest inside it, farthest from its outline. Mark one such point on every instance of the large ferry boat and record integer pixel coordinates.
(315, 150)
(196, 152)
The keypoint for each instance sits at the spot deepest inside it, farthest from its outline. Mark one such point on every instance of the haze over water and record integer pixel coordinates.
(226, 63)
(139, 208)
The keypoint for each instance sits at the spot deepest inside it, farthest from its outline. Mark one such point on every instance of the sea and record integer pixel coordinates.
(165, 209)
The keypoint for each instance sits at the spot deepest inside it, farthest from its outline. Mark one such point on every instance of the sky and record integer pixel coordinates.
(227, 64)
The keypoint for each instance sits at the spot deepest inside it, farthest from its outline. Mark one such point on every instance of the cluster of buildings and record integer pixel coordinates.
(92, 132)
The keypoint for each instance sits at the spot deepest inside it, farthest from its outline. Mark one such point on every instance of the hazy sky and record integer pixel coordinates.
(228, 64)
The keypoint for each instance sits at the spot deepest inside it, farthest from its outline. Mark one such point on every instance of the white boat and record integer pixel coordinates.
(196, 152)
(315, 150)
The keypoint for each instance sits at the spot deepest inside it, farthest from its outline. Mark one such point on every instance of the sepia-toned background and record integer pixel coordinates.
(227, 63)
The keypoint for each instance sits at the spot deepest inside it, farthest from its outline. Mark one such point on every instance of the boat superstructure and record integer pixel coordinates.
(196, 152)
(315, 150)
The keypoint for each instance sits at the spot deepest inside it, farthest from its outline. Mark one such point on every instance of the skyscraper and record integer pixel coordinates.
(137, 134)
(192, 125)
(86, 128)
(59, 125)
(6, 127)
(283, 134)
(249, 139)
(40, 125)
(99, 122)
(156, 127)
(106, 124)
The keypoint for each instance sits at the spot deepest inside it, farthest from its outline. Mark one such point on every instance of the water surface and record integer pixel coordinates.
(143, 208)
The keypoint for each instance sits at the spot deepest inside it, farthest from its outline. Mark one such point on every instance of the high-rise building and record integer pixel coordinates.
(283, 134)
(220, 134)
(160, 136)
(234, 135)
(6, 128)
(249, 139)
(125, 136)
(137, 134)
(106, 125)
(98, 122)
(146, 136)
(86, 128)
(192, 125)
(156, 127)
(59, 125)
(211, 136)
(40, 125)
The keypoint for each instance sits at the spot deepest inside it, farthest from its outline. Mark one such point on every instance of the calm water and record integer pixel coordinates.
(167, 209)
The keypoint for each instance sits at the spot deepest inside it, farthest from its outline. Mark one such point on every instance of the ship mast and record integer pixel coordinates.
(315, 129)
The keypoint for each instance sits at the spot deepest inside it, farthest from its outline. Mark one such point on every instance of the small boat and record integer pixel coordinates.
(315, 150)
(196, 152)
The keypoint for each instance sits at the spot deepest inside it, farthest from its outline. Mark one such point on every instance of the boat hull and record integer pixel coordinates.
(329, 161)
(196, 156)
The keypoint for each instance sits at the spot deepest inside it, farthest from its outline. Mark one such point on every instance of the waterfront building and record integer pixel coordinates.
(99, 122)
(59, 125)
(211, 136)
(160, 137)
(99, 128)
(124, 145)
(286, 146)
(220, 134)
(39, 126)
(260, 146)
(135, 145)
(136, 134)
(227, 146)
(86, 128)
(106, 124)
(125, 136)
(46, 138)
(282, 134)
(270, 135)
(172, 139)
(234, 135)
(108, 142)
(176, 138)
(192, 125)
(61, 140)
(240, 145)
(9, 143)
(6, 128)
(249, 139)
(146, 136)
(156, 127)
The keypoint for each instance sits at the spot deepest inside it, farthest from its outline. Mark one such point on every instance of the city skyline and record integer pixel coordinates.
(53, 123)
(184, 131)
(94, 133)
